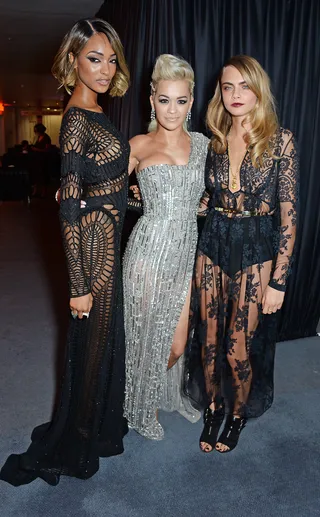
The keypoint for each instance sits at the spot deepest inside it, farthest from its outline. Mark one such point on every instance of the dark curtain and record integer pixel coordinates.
(283, 35)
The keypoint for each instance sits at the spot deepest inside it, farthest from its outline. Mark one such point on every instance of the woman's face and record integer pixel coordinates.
(237, 97)
(96, 64)
(171, 102)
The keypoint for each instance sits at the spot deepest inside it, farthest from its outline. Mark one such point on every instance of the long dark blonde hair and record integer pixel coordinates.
(73, 43)
(262, 119)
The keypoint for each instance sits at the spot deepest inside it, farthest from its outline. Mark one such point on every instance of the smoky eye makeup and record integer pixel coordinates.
(164, 99)
(93, 59)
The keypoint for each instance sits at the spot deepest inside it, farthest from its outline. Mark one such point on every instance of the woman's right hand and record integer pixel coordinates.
(136, 192)
(81, 306)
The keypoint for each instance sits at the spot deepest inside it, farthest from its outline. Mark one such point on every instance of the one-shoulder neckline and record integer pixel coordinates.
(171, 164)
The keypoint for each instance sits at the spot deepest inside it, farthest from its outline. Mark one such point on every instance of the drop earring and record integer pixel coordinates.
(153, 115)
(188, 117)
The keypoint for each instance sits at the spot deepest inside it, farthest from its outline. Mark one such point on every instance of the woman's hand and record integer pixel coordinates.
(81, 306)
(272, 300)
(136, 192)
(57, 197)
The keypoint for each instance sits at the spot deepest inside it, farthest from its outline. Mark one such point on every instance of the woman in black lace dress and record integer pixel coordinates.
(245, 250)
(89, 421)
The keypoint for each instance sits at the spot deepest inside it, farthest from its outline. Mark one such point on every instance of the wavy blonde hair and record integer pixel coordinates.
(170, 68)
(262, 119)
(73, 43)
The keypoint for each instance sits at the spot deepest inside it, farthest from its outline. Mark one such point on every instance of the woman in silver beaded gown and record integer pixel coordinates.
(159, 259)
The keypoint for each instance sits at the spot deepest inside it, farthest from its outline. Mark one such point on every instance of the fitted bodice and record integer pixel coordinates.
(94, 164)
(260, 187)
(173, 191)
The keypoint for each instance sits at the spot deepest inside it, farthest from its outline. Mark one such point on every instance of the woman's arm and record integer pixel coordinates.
(288, 187)
(73, 138)
(208, 173)
(203, 206)
(136, 144)
(288, 191)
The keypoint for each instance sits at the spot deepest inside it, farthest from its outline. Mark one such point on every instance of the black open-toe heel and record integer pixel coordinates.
(231, 433)
(212, 422)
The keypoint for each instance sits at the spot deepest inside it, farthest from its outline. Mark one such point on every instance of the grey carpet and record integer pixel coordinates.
(275, 471)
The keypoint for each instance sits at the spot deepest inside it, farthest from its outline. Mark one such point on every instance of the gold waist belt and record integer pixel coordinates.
(243, 213)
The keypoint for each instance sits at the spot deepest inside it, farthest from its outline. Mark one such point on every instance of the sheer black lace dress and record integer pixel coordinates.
(89, 421)
(246, 243)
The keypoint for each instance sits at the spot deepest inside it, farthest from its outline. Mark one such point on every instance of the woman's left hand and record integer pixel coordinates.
(57, 197)
(272, 300)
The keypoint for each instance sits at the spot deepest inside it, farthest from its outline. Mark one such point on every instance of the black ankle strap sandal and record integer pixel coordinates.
(212, 422)
(231, 433)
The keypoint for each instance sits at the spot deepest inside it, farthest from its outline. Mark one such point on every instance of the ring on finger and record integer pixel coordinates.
(74, 314)
(86, 314)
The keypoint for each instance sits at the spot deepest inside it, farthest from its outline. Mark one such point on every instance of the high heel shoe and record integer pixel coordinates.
(212, 422)
(231, 433)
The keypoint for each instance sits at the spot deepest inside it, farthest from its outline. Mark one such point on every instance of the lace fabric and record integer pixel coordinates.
(236, 260)
(89, 421)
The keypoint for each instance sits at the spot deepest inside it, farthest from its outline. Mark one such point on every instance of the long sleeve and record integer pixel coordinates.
(203, 206)
(203, 209)
(73, 138)
(288, 191)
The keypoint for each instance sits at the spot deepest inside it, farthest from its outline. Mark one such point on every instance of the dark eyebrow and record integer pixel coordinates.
(166, 96)
(227, 82)
(100, 53)
(95, 52)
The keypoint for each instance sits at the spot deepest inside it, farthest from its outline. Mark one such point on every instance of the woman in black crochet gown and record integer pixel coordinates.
(89, 421)
(245, 250)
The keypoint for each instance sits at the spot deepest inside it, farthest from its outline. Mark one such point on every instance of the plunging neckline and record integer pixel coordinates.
(239, 169)
(171, 164)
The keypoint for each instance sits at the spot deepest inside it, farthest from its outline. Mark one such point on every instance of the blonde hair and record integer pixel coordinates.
(170, 68)
(263, 118)
(73, 43)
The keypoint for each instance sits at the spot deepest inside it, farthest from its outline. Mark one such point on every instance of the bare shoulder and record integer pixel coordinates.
(140, 140)
(138, 143)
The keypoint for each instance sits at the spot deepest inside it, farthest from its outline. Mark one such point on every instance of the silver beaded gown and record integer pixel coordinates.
(158, 267)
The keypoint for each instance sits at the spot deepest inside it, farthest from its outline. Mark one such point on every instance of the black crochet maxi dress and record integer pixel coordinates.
(246, 244)
(89, 421)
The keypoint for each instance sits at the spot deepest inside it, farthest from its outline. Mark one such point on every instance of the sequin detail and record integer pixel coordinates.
(158, 267)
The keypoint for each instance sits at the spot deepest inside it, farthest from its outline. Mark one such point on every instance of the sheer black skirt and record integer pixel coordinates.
(231, 343)
(89, 420)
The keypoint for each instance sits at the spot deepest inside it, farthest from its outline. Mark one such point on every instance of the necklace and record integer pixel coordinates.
(234, 174)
